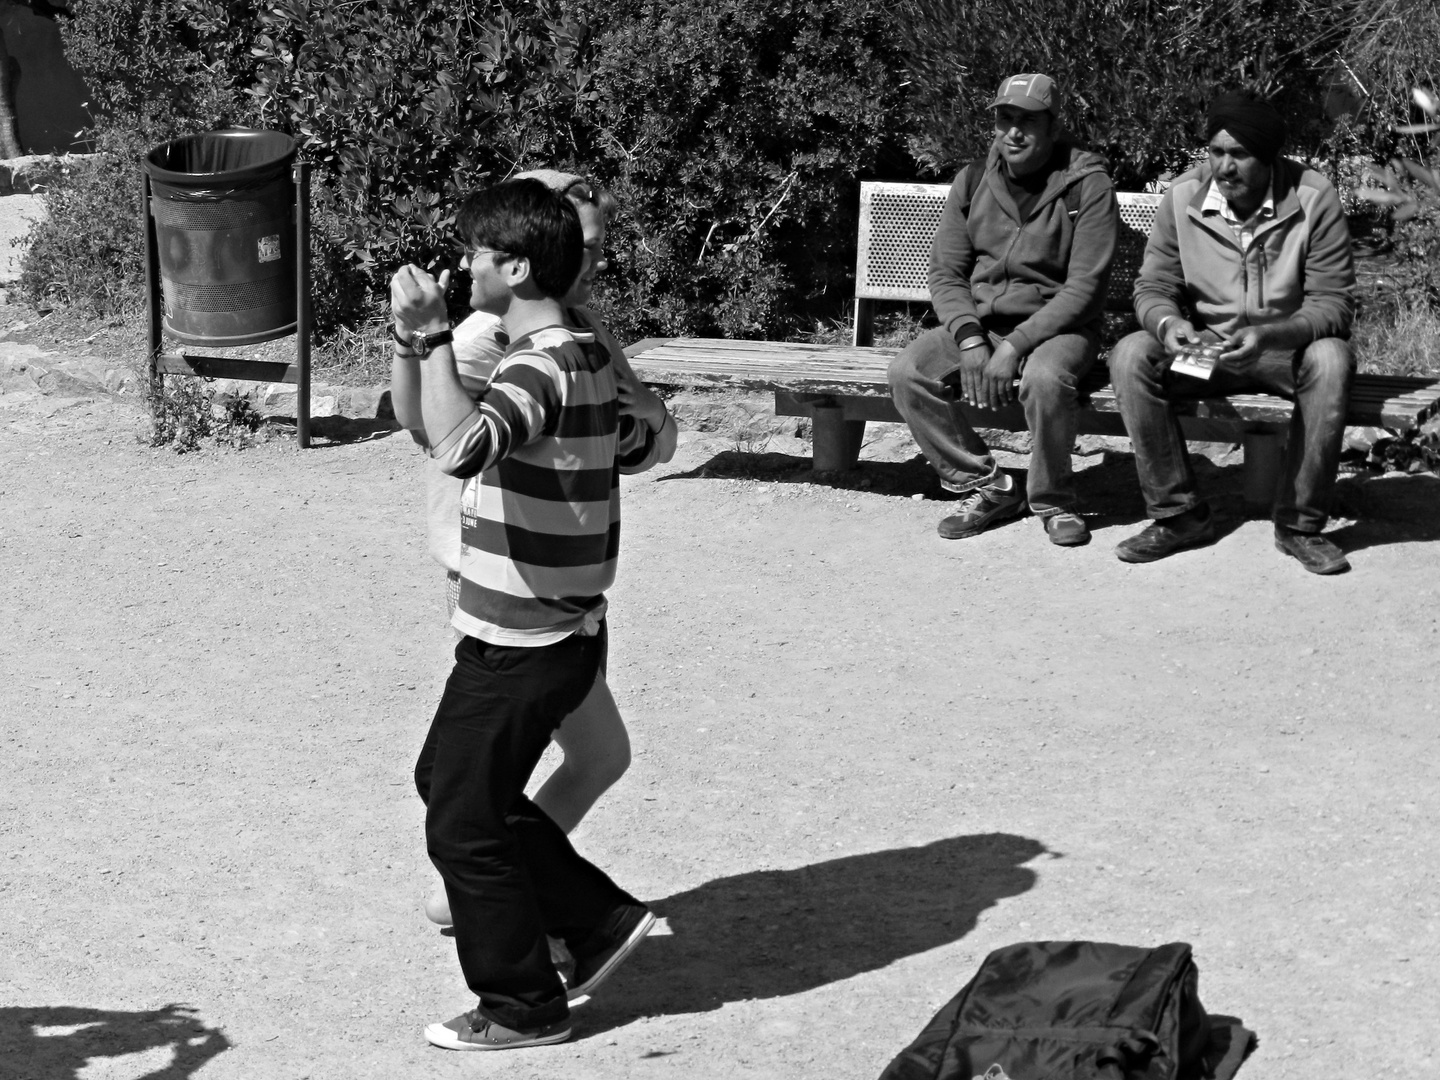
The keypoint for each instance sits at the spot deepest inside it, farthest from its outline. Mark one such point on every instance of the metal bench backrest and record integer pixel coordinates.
(898, 221)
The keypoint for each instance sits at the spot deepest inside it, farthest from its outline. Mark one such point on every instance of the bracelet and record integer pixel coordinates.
(972, 343)
(1160, 327)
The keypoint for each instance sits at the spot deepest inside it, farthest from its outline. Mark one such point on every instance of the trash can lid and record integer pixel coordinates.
(232, 155)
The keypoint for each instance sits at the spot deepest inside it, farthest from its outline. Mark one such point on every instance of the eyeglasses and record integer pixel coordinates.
(468, 255)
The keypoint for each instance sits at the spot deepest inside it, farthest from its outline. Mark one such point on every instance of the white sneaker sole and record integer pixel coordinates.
(579, 995)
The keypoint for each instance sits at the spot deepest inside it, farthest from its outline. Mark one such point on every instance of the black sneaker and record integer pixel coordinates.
(473, 1032)
(1192, 529)
(1312, 550)
(592, 970)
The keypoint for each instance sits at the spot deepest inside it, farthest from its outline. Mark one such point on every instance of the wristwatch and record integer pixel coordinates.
(422, 343)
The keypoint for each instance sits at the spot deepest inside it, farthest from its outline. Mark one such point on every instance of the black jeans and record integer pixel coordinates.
(510, 872)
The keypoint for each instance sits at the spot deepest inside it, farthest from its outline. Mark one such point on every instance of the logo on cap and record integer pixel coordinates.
(1033, 91)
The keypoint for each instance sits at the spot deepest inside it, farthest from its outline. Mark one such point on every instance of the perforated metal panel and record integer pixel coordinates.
(898, 222)
(240, 297)
(1137, 217)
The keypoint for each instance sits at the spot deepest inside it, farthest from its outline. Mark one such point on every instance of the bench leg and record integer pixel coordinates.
(1264, 453)
(836, 440)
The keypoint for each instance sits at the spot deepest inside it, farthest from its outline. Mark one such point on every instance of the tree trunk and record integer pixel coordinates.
(9, 133)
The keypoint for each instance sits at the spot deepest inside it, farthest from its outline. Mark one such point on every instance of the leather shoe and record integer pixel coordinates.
(1312, 550)
(1066, 529)
(1192, 529)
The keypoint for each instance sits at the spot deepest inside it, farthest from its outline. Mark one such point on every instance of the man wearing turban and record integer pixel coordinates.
(1250, 251)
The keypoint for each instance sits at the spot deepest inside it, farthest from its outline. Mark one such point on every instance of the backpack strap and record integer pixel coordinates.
(975, 172)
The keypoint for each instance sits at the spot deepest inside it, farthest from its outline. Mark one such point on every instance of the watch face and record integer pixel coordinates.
(418, 342)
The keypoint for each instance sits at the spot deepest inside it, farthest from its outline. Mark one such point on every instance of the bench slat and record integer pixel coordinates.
(851, 371)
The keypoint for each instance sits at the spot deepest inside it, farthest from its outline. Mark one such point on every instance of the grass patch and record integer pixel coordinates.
(1405, 341)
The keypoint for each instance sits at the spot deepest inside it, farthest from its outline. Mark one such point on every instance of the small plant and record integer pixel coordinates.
(185, 410)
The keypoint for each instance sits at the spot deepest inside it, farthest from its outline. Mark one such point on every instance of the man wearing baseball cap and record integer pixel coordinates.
(1250, 251)
(1018, 270)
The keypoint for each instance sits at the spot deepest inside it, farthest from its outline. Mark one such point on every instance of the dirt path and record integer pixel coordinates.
(864, 758)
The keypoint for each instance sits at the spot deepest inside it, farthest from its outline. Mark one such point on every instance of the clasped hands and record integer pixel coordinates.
(987, 376)
(417, 300)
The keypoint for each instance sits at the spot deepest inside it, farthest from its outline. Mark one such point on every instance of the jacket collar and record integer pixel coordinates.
(1284, 178)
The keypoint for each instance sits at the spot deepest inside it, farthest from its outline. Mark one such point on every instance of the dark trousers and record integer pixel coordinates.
(510, 872)
(1317, 378)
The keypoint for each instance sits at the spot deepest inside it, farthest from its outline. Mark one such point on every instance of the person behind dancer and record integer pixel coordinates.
(594, 740)
(540, 516)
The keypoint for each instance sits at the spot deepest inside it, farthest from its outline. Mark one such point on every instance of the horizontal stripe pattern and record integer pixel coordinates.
(540, 515)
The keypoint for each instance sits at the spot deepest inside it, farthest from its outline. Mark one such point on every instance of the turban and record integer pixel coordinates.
(1251, 121)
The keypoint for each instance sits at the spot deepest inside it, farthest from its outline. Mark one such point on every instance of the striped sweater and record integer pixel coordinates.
(540, 508)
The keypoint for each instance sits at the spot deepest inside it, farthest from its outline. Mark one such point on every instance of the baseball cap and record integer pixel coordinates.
(1032, 91)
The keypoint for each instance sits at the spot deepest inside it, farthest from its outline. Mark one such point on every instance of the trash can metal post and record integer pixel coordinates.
(302, 303)
(152, 286)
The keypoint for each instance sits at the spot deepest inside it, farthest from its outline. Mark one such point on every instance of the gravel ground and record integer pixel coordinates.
(864, 758)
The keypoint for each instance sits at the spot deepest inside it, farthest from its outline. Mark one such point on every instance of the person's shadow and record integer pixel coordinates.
(772, 933)
(57, 1042)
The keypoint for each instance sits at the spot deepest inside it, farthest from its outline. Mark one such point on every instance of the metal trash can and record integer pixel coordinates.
(224, 210)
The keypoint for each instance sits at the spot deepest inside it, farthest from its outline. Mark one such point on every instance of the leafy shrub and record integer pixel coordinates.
(405, 104)
(735, 134)
(86, 251)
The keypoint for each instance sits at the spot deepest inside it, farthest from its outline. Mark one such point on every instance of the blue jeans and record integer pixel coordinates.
(923, 381)
(1317, 378)
(510, 873)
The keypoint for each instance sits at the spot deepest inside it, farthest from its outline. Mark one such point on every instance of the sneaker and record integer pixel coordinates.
(1192, 529)
(1066, 529)
(982, 508)
(473, 1032)
(1314, 552)
(591, 971)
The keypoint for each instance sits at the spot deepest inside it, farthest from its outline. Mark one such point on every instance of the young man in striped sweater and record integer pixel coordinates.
(540, 528)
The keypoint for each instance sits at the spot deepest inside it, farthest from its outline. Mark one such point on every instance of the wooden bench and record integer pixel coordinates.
(841, 387)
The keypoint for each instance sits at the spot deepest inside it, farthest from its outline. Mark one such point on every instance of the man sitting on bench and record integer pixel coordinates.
(1249, 252)
(1018, 271)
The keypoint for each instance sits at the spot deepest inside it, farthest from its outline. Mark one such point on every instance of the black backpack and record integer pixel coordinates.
(1077, 1010)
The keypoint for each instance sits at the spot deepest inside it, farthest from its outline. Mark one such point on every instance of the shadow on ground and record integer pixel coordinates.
(1391, 509)
(339, 430)
(774, 933)
(58, 1042)
(1108, 488)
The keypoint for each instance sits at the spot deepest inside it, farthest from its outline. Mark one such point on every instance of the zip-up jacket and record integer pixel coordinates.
(1029, 279)
(1299, 265)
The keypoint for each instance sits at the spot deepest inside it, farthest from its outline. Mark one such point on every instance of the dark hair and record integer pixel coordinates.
(526, 218)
